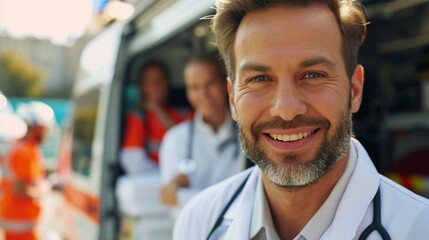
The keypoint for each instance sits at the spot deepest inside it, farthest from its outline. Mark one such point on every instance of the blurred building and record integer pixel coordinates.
(57, 61)
(54, 49)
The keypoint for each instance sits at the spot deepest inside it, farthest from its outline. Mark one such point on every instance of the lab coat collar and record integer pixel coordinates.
(240, 213)
(358, 195)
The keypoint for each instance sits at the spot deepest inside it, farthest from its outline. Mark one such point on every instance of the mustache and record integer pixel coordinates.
(300, 121)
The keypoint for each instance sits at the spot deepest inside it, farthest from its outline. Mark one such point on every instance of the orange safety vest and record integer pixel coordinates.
(19, 214)
(146, 130)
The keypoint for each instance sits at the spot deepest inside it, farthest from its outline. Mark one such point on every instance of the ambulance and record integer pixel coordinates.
(392, 121)
(91, 204)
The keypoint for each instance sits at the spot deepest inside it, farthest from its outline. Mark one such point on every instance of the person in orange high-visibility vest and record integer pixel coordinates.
(23, 183)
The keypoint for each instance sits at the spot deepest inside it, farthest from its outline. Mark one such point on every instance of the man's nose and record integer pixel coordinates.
(288, 101)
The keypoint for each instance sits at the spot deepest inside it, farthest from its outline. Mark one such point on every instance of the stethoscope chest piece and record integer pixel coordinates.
(187, 166)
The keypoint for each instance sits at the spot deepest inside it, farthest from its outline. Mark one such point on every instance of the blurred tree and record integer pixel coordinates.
(19, 77)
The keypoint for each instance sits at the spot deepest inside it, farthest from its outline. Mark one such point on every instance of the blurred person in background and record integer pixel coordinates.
(11, 128)
(146, 127)
(205, 150)
(24, 184)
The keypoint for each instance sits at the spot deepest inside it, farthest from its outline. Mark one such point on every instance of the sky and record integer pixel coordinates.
(60, 21)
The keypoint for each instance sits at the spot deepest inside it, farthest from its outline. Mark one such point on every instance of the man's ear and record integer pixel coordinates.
(357, 88)
(231, 99)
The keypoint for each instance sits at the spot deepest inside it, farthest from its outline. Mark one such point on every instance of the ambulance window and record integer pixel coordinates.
(86, 109)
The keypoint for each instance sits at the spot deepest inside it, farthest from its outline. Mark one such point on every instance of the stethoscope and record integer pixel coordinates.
(188, 165)
(375, 225)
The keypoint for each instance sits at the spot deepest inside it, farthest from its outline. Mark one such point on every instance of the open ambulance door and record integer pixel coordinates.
(171, 32)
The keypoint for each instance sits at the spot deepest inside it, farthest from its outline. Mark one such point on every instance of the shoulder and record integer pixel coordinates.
(407, 212)
(23, 155)
(401, 194)
(134, 116)
(21, 148)
(178, 130)
(204, 209)
(177, 134)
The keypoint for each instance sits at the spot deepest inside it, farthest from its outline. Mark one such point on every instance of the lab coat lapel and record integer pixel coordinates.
(357, 197)
(240, 214)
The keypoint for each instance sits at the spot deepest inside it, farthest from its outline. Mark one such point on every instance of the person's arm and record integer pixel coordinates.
(133, 156)
(135, 160)
(171, 153)
(170, 191)
(34, 190)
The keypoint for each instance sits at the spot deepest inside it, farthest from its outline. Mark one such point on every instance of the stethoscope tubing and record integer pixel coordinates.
(376, 224)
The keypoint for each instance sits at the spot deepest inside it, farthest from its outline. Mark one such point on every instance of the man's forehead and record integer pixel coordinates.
(284, 30)
(287, 17)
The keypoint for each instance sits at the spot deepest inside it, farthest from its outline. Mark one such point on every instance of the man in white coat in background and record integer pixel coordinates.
(294, 84)
(205, 150)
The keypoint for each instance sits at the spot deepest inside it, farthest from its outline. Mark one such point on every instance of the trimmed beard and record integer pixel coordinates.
(292, 172)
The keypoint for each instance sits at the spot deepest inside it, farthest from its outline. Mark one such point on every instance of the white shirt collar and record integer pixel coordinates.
(224, 132)
(326, 213)
(314, 229)
(262, 226)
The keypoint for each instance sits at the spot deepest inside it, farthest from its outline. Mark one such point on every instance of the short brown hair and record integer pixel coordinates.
(349, 14)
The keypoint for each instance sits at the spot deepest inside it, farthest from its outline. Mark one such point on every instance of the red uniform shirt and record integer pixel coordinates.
(146, 130)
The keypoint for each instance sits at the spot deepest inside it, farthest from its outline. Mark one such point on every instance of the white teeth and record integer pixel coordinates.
(291, 137)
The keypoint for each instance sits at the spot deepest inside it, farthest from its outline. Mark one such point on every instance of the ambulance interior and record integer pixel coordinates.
(393, 122)
(173, 53)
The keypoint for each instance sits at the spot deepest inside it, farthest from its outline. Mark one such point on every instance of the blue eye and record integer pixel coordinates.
(313, 75)
(259, 78)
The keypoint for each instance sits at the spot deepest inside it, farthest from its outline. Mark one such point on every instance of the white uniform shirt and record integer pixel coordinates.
(217, 154)
(262, 227)
(403, 214)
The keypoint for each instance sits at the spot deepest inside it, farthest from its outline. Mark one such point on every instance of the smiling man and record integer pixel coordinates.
(294, 83)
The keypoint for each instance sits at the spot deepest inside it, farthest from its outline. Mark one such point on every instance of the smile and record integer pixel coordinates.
(291, 137)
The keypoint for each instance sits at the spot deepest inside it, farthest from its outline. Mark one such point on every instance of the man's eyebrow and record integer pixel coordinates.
(317, 61)
(254, 67)
(304, 64)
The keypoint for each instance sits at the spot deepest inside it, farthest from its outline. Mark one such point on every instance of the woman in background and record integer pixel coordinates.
(146, 127)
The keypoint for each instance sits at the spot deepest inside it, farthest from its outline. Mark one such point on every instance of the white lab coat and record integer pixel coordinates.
(405, 215)
(213, 164)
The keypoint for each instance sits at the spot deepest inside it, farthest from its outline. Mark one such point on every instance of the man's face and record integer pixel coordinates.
(206, 88)
(292, 98)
